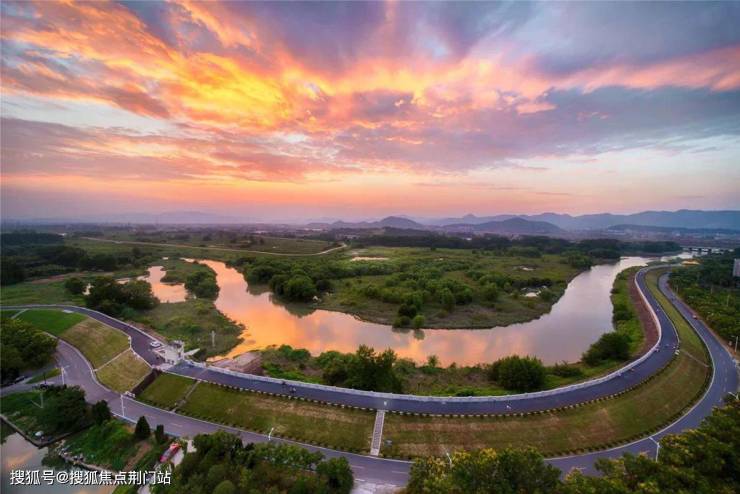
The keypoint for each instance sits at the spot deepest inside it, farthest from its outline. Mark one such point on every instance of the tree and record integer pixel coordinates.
(100, 412)
(337, 474)
(142, 430)
(610, 345)
(64, 409)
(299, 288)
(484, 471)
(225, 487)
(418, 321)
(75, 286)
(23, 347)
(159, 434)
(11, 271)
(518, 373)
(447, 299)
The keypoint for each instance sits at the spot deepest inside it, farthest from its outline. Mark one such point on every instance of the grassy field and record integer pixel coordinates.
(166, 391)
(192, 321)
(179, 270)
(337, 427)
(97, 342)
(23, 409)
(217, 244)
(41, 376)
(620, 297)
(111, 445)
(349, 295)
(593, 425)
(38, 293)
(52, 321)
(124, 372)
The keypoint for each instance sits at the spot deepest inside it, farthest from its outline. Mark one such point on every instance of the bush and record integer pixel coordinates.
(565, 369)
(100, 412)
(75, 286)
(610, 346)
(518, 373)
(418, 321)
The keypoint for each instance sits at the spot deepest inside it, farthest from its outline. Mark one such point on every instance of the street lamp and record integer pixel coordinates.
(449, 458)
(269, 434)
(657, 447)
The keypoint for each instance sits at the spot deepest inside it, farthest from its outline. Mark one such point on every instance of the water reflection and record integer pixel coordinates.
(581, 315)
(165, 292)
(19, 454)
(576, 320)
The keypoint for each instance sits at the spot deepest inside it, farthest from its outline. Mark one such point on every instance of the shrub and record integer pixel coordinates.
(518, 373)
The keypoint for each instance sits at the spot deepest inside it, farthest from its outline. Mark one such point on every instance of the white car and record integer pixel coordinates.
(155, 344)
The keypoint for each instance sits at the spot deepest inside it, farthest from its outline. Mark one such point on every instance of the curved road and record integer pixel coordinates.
(380, 470)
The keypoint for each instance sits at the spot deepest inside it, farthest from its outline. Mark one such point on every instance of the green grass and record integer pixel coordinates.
(620, 296)
(40, 377)
(38, 293)
(192, 321)
(336, 427)
(593, 425)
(52, 321)
(97, 342)
(110, 445)
(166, 391)
(124, 372)
(23, 409)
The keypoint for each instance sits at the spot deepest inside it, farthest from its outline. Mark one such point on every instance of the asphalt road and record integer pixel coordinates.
(379, 470)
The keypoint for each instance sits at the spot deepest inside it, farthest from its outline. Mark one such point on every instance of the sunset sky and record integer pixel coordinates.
(289, 111)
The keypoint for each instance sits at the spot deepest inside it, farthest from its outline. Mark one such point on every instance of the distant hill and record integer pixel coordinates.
(683, 218)
(672, 229)
(515, 226)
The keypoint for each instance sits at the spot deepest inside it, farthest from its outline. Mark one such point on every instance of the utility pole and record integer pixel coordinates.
(62, 372)
(213, 339)
(657, 449)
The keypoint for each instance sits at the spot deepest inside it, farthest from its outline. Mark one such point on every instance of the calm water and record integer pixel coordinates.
(581, 315)
(19, 454)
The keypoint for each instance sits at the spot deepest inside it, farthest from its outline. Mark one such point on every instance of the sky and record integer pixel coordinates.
(290, 111)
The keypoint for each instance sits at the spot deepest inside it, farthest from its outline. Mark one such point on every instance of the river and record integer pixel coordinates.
(19, 454)
(582, 314)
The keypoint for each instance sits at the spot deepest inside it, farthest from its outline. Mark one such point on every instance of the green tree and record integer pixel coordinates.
(64, 409)
(23, 347)
(337, 474)
(518, 373)
(418, 321)
(483, 472)
(299, 288)
(75, 286)
(100, 412)
(610, 345)
(142, 430)
(225, 487)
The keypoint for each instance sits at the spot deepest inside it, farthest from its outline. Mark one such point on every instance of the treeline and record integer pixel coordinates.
(222, 464)
(711, 290)
(384, 371)
(528, 246)
(107, 295)
(33, 255)
(701, 461)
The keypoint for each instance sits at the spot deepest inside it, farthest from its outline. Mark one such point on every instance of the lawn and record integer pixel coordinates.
(167, 390)
(594, 425)
(42, 376)
(38, 293)
(51, 321)
(98, 342)
(620, 297)
(336, 427)
(110, 445)
(124, 372)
